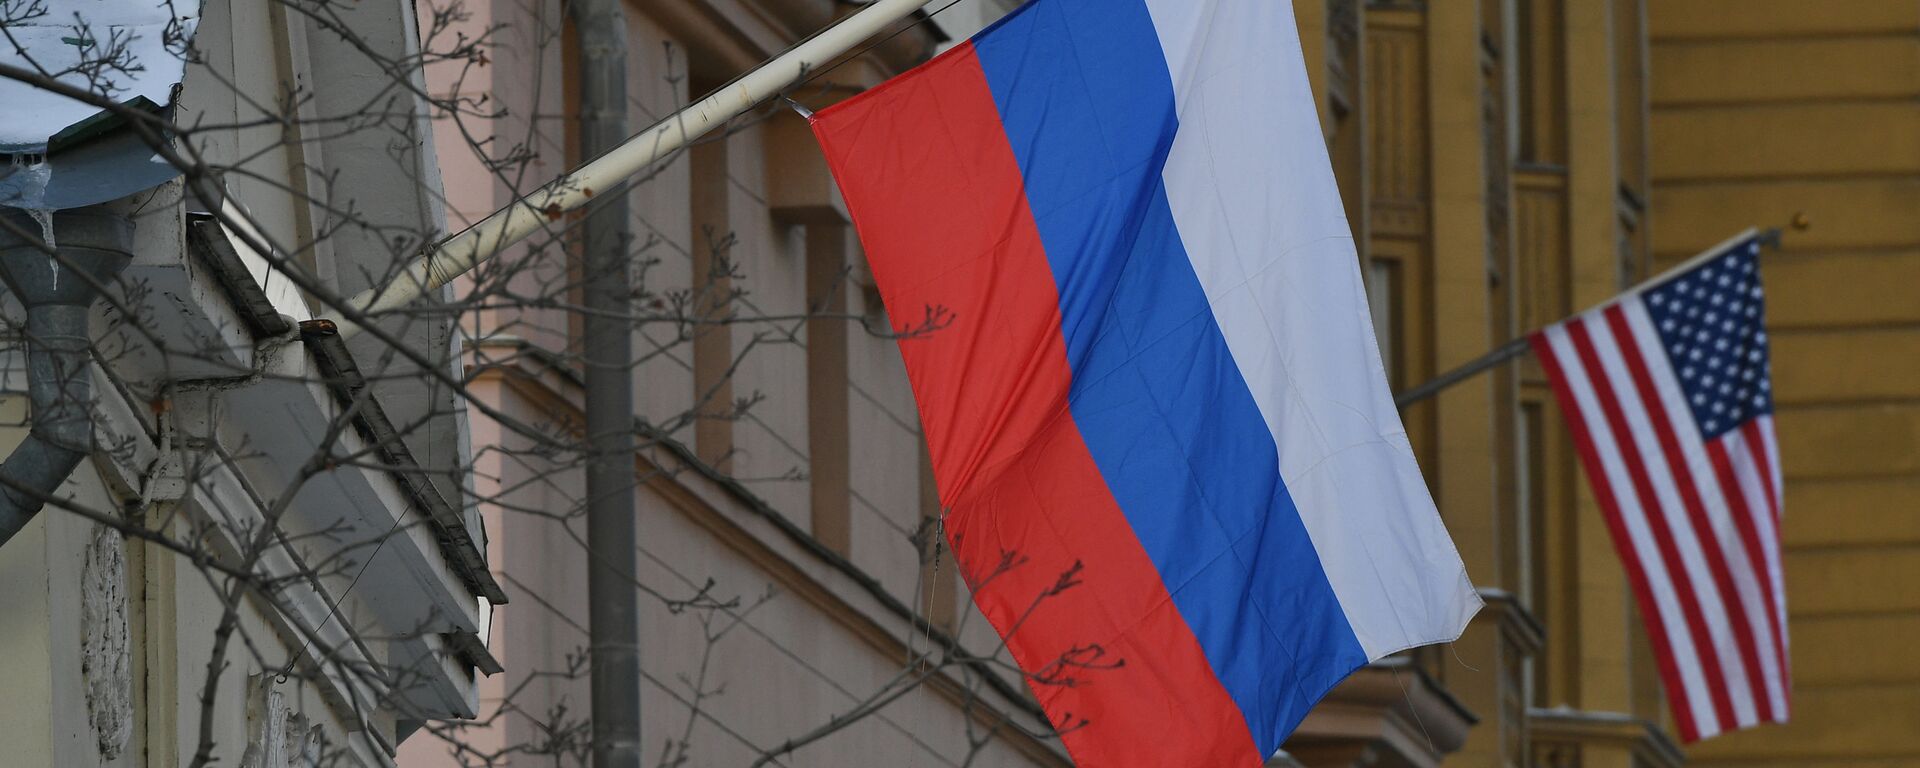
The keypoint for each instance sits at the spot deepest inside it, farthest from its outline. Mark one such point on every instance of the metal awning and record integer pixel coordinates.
(60, 152)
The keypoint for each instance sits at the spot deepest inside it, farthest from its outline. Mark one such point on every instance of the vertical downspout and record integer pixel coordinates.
(58, 294)
(613, 613)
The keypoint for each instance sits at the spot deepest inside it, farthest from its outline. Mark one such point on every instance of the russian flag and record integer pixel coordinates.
(1173, 472)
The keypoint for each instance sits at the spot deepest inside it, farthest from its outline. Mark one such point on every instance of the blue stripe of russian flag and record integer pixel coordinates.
(1160, 368)
(1087, 104)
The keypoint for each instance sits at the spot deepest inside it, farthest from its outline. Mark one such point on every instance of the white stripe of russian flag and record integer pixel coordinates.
(1259, 212)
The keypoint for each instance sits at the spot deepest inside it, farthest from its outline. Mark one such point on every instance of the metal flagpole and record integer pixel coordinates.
(1433, 386)
(1519, 345)
(473, 246)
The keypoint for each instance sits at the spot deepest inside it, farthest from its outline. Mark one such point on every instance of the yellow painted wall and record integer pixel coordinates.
(1492, 157)
(1764, 110)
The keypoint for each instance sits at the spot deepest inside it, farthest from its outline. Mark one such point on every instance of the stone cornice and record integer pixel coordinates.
(731, 36)
(1563, 725)
(1518, 626)
(1388, 713)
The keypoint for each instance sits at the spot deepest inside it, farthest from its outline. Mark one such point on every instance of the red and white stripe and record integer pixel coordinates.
(1696, 522)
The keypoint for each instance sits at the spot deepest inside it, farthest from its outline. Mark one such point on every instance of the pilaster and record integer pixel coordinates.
(1463, 468)
(1604, 671)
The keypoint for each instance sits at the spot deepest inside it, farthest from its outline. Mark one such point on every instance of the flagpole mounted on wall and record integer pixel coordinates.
(1769, 238)
(1467, 370)
(475, 245)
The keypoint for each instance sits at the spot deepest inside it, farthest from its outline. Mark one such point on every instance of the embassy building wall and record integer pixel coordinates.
(779, 541)
(1493, 159)
(811, 505)
(1806, 117)
(1508, 163)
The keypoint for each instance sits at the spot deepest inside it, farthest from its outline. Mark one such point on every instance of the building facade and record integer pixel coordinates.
(1807, 118)
(1493, 159)
(1504, 164)
(786, 570)
(816, 494)
(1508, 163)
(260, 556)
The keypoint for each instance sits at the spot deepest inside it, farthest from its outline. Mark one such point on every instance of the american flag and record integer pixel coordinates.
(1667, 394)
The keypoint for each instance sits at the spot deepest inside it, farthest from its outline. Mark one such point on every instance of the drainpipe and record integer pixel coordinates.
(606, 345)
(94, 245)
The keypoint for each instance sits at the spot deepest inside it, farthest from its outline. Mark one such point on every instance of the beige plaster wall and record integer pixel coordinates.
(778, 665)
(809, 642)
(172, 611)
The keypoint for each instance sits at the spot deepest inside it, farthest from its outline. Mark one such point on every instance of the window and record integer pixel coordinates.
(827, 386)
(712, 238)
(1538, 73)
(1529, 546)
(1383, 300)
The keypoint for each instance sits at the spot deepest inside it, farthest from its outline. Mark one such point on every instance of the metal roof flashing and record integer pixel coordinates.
(61, 152)
(460, 547)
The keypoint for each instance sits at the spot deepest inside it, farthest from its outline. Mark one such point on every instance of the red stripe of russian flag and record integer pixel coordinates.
(1012, 441)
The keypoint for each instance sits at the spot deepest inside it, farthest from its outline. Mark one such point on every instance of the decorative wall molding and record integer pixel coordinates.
(277, 737)
(106, 660)
(1561, 737)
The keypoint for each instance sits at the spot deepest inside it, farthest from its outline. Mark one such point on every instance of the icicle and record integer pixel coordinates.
(44, 218)
(33, 172)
